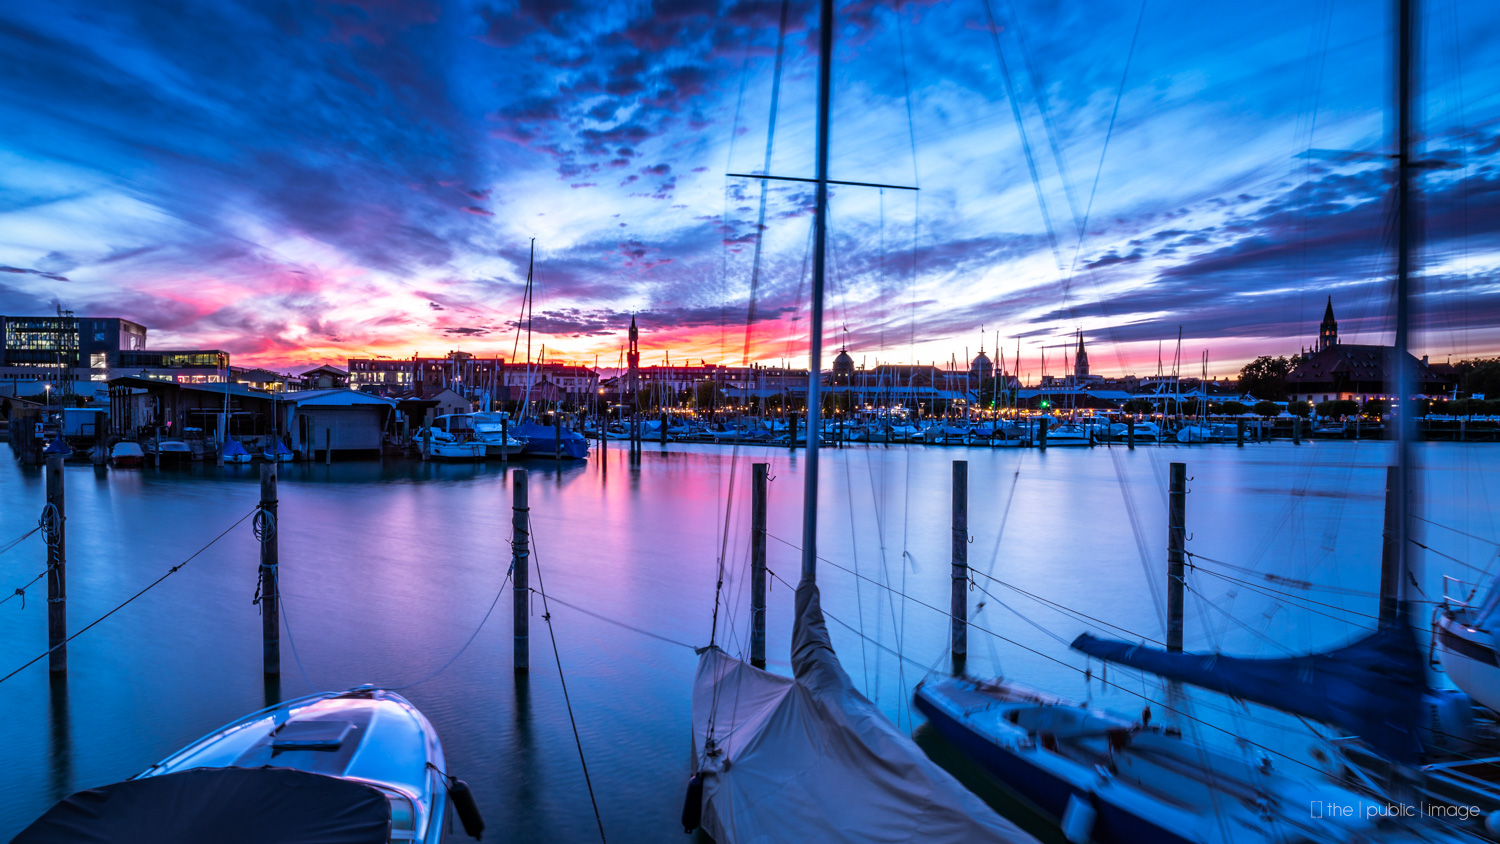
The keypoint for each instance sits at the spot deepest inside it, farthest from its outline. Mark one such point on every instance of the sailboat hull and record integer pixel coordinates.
(1470, 660)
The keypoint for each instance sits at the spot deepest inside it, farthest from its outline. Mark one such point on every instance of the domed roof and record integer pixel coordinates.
(843, 363)
(981, 363)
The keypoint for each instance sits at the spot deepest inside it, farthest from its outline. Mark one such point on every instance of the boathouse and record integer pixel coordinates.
(349, 422)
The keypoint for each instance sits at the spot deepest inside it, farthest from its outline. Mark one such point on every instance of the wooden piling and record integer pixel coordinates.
(1041, 433)
(270, 615)
(1130, 433)
(427, 434)
(758, 477)
(663, 431)
(1176, 553)
(557, 435)
(57, 567)
(1239, 433)
(520, 562)
(791, 429)
(505, 438)
(327, 446)
(1297, 431)
(1390, 552)
(960, 576)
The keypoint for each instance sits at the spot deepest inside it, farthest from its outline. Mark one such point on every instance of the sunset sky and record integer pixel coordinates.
(302, 182)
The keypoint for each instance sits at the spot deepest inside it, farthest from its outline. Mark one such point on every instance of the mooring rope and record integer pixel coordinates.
(171, 571)
(556, 655)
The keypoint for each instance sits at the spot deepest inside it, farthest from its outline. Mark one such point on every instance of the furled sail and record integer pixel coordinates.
(809, 758)
(1372, 688)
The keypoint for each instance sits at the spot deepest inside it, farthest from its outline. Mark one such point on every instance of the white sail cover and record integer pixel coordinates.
(811, 759)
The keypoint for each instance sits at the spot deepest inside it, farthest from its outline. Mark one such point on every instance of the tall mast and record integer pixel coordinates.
(1402, 415)
(815, 344)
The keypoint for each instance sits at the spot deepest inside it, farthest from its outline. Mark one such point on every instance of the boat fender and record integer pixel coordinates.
(692, 805)
(467, 809)
(1078, 818)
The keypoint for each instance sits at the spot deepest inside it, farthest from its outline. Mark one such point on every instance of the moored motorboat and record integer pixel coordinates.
(173, 452)
(493, 429)
(357, 767)
(126, 455)
(467, 451)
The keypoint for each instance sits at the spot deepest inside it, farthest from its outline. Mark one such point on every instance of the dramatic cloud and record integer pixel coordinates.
(299, 183)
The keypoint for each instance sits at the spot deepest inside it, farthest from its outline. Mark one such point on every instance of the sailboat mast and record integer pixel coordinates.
(1402, 415)
(815, 344)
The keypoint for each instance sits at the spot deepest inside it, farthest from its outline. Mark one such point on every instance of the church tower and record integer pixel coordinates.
(1328, 332)
(1081, 360)
(633, 359)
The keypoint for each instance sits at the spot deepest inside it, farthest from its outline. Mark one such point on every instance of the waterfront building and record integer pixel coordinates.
(1333, 369)
(264, 379)
(474, 378)
(185, 366)
(61, 350)
(325, 377)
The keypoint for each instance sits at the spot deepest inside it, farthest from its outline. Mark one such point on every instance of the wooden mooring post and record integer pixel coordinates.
(520, 563)
(56, 537)
(1239, 433)
(1297, 431)
(557, 435)
(1176, 553)
(327, 446)
(1041, 433)
(1130, 434)
(1390, 552)
(960, 604)
(270, 607)
(505, 438)
(758, 478)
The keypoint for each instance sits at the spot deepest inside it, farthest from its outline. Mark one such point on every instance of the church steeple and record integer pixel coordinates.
(1328, 332)
(1081, 359)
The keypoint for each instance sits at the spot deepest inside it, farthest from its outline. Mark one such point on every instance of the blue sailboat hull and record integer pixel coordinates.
(541, 441)
(1045, 791)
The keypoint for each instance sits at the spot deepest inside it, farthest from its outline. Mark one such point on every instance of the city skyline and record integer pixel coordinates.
(301, 185)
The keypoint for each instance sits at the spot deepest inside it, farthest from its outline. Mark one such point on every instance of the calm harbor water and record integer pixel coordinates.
(387, 569)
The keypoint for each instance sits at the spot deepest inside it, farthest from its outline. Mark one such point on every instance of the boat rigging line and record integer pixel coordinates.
(631, 627)
(552, 634)
(171, 571)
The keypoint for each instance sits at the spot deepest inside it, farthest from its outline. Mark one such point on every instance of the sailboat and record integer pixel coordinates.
(1373, 689)
(807, 757)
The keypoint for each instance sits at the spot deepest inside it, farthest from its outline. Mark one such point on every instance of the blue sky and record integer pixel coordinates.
(303, 182)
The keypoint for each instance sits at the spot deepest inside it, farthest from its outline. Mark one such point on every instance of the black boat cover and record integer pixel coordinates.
(1372, 687)
(220, 805)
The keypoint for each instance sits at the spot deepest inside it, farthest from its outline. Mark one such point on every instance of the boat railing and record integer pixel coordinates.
(1464, 587)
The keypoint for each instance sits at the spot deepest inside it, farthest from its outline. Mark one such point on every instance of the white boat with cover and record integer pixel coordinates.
(355, 767)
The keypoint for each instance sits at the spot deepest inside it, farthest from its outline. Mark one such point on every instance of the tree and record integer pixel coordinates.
(1266, 408)
(706, 395)
(1232, 408)
(1377, 407)
(1139, 406)
(1265, 377)
(1337, 408)
(1480, 376)
(1299, 408)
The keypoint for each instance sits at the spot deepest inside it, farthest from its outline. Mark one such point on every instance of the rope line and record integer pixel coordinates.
(467, 642)
(1086, 672)
(171, 571)
(630, 627)
(18, 540)
(287, 623)
(21, 590)
(556, 655)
